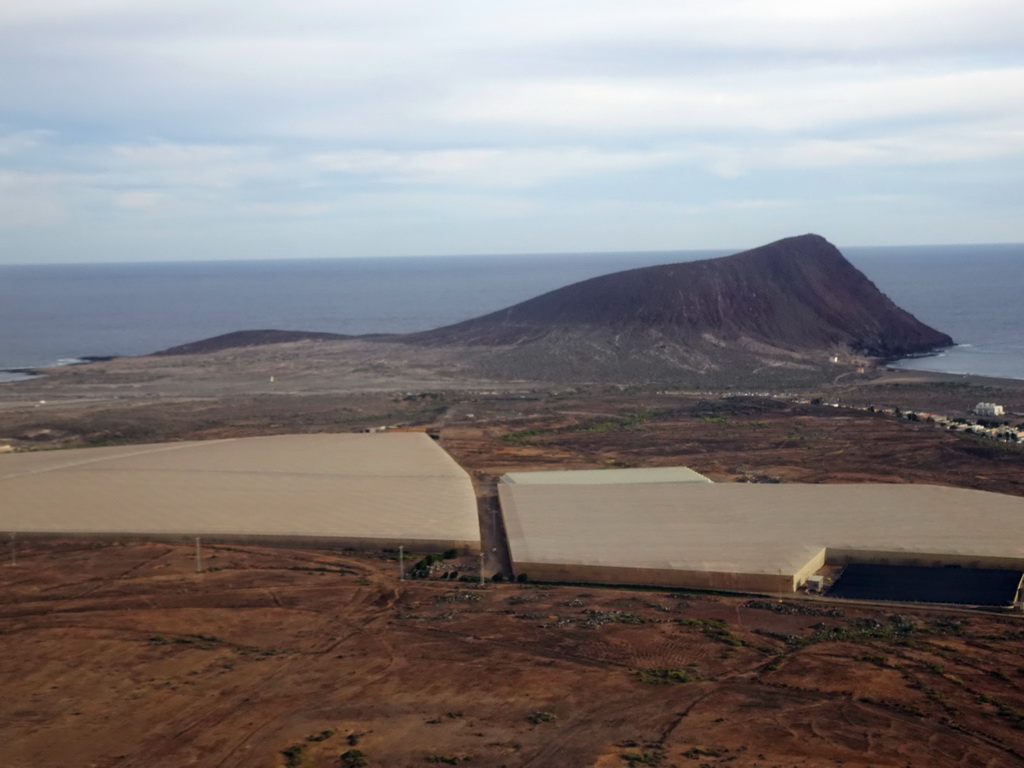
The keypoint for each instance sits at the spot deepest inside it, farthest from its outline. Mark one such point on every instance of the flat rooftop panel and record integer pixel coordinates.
(606, 476)
(401, 487)
(966, 586)
(752, 528)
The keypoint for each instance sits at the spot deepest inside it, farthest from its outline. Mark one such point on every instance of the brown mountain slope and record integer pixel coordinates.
(799, 294)
(238, 339)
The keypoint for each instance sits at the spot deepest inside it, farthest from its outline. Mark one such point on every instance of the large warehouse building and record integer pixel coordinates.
(750, 537)
(377, 490)
(629, 475)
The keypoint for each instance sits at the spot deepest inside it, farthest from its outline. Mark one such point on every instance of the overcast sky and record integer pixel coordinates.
(205, 129)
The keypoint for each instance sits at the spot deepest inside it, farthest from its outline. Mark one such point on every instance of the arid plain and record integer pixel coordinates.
(120, 654)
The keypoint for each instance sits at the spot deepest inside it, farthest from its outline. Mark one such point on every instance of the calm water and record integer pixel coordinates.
(973, 293)
(55, 313)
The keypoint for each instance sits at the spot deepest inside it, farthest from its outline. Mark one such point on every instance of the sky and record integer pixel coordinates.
(156, 130)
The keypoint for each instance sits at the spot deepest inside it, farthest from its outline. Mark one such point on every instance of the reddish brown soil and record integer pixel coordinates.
(735, 439)
(122, 655)
(728, 438)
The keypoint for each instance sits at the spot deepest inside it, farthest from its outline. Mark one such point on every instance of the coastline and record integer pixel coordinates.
(886, 372)
(35, 371)
(891, 375)
(966, 359)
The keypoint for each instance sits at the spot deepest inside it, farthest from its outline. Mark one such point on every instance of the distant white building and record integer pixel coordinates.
(988, 409)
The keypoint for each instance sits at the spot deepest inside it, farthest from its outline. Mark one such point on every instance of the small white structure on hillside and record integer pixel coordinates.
(988, 409)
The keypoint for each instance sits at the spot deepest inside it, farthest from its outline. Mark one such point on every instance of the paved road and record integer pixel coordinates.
(492, 530)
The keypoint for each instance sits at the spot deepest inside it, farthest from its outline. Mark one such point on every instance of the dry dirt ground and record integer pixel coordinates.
(123, 655)
(726, 436)
(735, 438)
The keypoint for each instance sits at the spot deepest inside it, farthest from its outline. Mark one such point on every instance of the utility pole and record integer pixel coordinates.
(199, 558)
(401, 562)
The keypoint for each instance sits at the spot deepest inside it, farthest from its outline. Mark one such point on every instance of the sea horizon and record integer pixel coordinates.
(63, 313)
(500, 255)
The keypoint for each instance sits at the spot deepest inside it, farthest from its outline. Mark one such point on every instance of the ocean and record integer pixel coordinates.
(59, 314)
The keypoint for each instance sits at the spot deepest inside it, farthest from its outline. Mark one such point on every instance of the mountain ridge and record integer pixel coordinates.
(796, 293)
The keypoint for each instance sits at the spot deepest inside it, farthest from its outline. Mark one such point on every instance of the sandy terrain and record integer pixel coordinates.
(122, 655)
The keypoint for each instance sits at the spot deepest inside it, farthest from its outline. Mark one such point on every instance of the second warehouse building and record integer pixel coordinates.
(749, 537)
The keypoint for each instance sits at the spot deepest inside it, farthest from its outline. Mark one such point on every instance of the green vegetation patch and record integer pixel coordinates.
(695, 753)
(716, 629)
(519, 438)
(876, 659)
(631, 420)
(295, 755)
(794, 609)
(896, 628)
(541, 717)
(1007, 712)
(354, 758)
(642, 758)
(665, 676)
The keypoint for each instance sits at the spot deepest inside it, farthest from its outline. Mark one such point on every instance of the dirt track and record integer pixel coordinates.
(121, 655)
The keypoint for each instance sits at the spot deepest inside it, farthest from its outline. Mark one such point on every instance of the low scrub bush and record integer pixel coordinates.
(540, 717)
(662, 676)
(354, 758)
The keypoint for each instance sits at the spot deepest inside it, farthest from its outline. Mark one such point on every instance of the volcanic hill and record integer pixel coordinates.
(780, 314)
(794, 304)
(799, 293)
(237, 339)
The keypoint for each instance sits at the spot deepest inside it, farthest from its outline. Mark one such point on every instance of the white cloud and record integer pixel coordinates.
(141, 200)
(22, 141)
(28, 200)
(342, 69)
(795, 25)
(730, 157)
(288, 210)
(404, 111)
(430, 205)
(43, 11)
(747, 105)
(195, 165)
(942, 145)
(519, 167)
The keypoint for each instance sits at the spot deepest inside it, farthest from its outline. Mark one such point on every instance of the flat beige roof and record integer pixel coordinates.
(401, 488)
(741, 528)
(606, 476)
